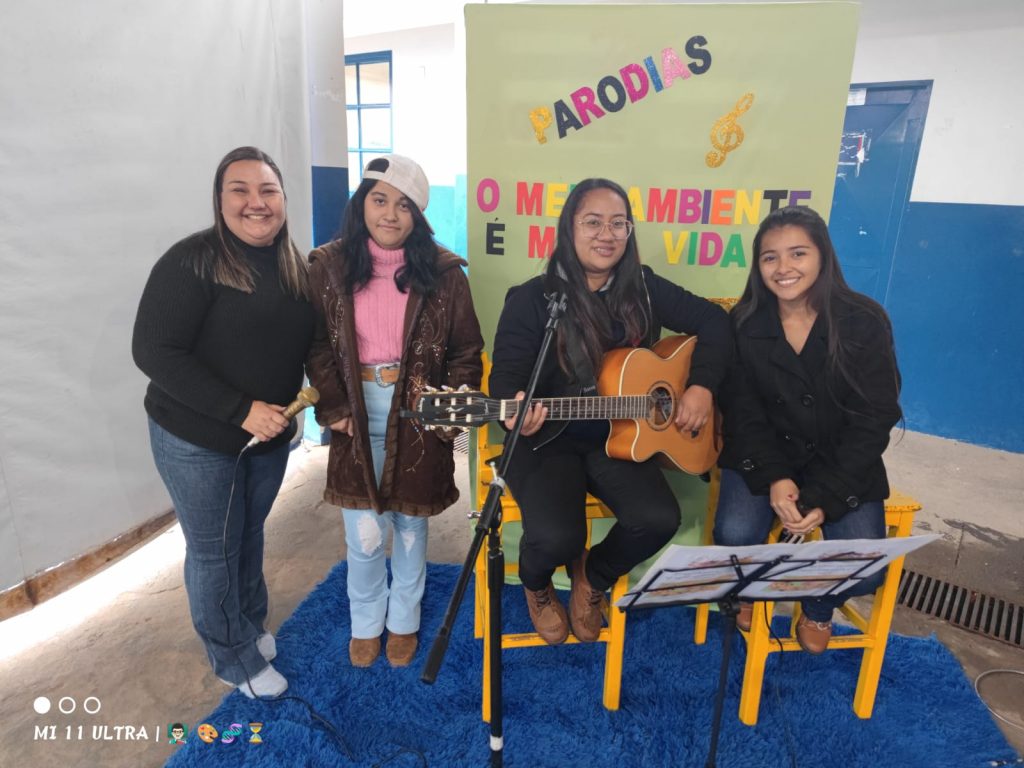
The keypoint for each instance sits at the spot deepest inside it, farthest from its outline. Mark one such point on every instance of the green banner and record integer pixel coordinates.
(709, 115)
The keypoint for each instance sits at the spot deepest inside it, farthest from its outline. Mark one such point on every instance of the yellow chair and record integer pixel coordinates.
(614, 635)
(874, 630)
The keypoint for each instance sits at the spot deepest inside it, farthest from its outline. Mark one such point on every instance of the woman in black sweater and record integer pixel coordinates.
(222, 331)
(807, 406)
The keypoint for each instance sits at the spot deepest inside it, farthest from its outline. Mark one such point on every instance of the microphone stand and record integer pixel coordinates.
(489, 524)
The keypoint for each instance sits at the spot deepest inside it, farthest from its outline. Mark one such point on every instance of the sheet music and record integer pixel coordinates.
(701, 574)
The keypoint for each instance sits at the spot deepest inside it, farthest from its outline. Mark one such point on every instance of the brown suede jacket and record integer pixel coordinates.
(442, 347)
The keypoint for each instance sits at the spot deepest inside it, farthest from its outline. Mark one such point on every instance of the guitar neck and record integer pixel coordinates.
(585, 408)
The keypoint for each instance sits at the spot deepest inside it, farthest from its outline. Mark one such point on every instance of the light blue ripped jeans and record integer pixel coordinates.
(372, 604)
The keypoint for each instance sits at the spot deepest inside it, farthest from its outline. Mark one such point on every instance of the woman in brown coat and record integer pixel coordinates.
(394, 313)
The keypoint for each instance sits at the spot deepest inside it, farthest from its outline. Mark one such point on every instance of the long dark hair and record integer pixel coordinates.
(829, 296)
(224, 263)
(420, 269)
(625, 300)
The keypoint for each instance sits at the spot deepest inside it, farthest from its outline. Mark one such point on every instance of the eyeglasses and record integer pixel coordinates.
(593, 227)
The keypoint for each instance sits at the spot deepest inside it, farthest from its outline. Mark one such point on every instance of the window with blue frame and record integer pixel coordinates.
(368, 107)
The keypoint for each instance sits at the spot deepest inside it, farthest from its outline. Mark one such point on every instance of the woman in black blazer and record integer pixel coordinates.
(808, 405)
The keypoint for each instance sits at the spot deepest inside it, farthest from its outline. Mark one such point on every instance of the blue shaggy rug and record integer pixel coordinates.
(926, 715)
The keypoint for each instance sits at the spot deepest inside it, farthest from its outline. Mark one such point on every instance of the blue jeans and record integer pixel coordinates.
(223, 565)
(743, 519)
(372, 605)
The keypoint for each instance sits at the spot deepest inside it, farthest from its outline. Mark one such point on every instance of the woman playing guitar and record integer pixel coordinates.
(613, 302)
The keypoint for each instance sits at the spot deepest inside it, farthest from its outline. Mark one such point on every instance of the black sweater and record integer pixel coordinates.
(210, 351)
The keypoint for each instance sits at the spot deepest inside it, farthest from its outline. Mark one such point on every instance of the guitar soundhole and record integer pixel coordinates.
(662, 407)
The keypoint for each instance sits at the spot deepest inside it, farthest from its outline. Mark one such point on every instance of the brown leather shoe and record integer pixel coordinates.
(362, 653)
(547, 614)
(400, 649)
(813, 636)
(587, 606)
(745, 616)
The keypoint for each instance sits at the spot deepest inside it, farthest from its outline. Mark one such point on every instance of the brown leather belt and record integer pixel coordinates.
(385, 374)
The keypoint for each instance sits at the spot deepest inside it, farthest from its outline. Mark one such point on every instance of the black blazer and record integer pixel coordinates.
(787, 415)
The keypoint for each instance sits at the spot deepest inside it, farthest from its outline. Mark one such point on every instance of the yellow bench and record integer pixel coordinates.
(872, 637)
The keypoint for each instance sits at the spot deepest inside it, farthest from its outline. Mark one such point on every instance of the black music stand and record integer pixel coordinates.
(725, 574)
(489, 524)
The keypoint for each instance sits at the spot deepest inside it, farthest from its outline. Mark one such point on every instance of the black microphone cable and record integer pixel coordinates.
(248, 678)
(286, 697)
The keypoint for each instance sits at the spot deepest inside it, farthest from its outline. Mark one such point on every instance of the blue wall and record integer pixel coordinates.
(447, 215)
(957, 305)
(330, 195)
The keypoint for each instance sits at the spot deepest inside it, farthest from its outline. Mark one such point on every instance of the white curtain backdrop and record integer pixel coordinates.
(114, 116)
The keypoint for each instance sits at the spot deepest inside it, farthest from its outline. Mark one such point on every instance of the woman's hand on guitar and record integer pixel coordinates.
(694, 408)
(534, 418)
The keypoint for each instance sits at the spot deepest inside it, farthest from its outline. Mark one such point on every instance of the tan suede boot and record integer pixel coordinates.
(547, 614)
(813, 636)
(400, 649)
(363, 652)
(587, 606)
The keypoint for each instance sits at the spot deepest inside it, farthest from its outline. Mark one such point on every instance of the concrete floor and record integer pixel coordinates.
(124, 638)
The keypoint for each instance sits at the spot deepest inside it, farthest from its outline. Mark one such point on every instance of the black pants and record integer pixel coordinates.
(550, 486)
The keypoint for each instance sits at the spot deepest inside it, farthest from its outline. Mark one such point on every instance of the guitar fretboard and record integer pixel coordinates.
(586, 408)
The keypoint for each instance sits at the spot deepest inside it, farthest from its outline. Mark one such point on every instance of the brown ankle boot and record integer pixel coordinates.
(547, 614)
(745, 616)
(813, 636)
(363, 652)
(587, 606)
(400, 649)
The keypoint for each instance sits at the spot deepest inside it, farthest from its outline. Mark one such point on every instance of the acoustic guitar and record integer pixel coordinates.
(638, 392)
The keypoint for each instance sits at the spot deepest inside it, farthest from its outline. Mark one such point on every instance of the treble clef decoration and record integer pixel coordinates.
(727, 134)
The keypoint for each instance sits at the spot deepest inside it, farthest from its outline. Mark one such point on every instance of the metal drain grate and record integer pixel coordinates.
(967, 608)
(462, 441)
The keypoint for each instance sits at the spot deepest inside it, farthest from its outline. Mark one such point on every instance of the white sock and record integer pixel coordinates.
(269, 682)
(267, 646)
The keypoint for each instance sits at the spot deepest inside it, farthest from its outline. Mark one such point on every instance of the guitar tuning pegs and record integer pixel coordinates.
(446, 388)
(428, 389)
(463, 388)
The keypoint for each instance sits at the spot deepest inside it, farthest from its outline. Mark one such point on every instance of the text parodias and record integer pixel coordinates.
(632, 82)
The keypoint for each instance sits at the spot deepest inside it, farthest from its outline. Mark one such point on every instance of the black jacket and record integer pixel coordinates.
(787, 415)
(521, 330)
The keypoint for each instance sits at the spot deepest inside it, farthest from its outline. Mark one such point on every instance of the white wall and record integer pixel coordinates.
(429, 94)
(971, 151)
(114, 118)
(326, 72)
(973, 51)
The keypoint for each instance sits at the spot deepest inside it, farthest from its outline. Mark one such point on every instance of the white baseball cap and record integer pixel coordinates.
(404, 174)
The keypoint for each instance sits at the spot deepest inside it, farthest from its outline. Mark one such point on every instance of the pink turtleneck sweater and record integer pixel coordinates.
(380, 309)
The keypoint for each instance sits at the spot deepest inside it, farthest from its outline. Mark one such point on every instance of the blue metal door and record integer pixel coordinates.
(881, 138)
